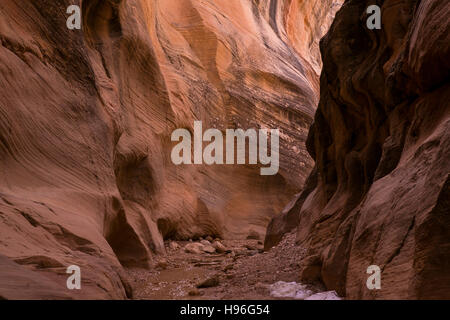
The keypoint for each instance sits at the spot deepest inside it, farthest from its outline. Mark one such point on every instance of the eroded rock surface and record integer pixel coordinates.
(379, 193)
(86, 118)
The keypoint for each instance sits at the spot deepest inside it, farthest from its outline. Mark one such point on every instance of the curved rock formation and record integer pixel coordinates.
(86, 118)
(379, 194)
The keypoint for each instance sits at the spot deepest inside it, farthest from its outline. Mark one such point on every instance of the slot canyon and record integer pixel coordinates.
(86, 176)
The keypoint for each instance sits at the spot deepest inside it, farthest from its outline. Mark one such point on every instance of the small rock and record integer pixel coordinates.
(260, 242)
(205, 242)
(162, 264)
(230, 276)
(174, 246)
(195, 248)
(209, 249)
(209, 238)
(251, 253)
(219, 247)
(195, 292)
(251, 247)
(210, 282)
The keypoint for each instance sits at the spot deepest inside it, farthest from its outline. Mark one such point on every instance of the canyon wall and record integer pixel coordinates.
(379, 193)
(86, 118)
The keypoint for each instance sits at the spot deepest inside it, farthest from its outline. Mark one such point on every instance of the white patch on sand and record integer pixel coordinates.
(299, 291)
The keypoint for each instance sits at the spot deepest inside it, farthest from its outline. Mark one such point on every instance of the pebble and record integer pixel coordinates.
(162, 264)
(209, 249)
(210, 282)
(196, 248)
(205, 242)
(219, 247)
(251, 247)
(174, 246)
(195, 292)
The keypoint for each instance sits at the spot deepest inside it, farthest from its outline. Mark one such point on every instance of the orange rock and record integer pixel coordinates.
(86, 119)
(381, 140)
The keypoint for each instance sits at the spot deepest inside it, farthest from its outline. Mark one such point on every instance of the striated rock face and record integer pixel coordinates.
(379, 193)
(301, 23)
(86, 118)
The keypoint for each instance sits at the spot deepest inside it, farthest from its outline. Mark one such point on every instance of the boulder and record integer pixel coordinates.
(209, 249)
(194, 247)
(220, 248)
(205, 242)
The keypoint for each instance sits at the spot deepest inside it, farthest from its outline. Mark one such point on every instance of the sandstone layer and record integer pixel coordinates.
(379, 193)
(86, 118)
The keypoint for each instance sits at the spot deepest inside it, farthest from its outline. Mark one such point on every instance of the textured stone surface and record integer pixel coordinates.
(86, 118)
(379, 194)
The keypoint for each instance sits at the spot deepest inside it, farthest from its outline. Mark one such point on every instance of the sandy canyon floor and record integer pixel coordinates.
(245, 271)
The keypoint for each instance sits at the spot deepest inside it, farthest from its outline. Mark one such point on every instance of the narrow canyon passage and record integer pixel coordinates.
(89, 114)
(238, 270)
(134, 149)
